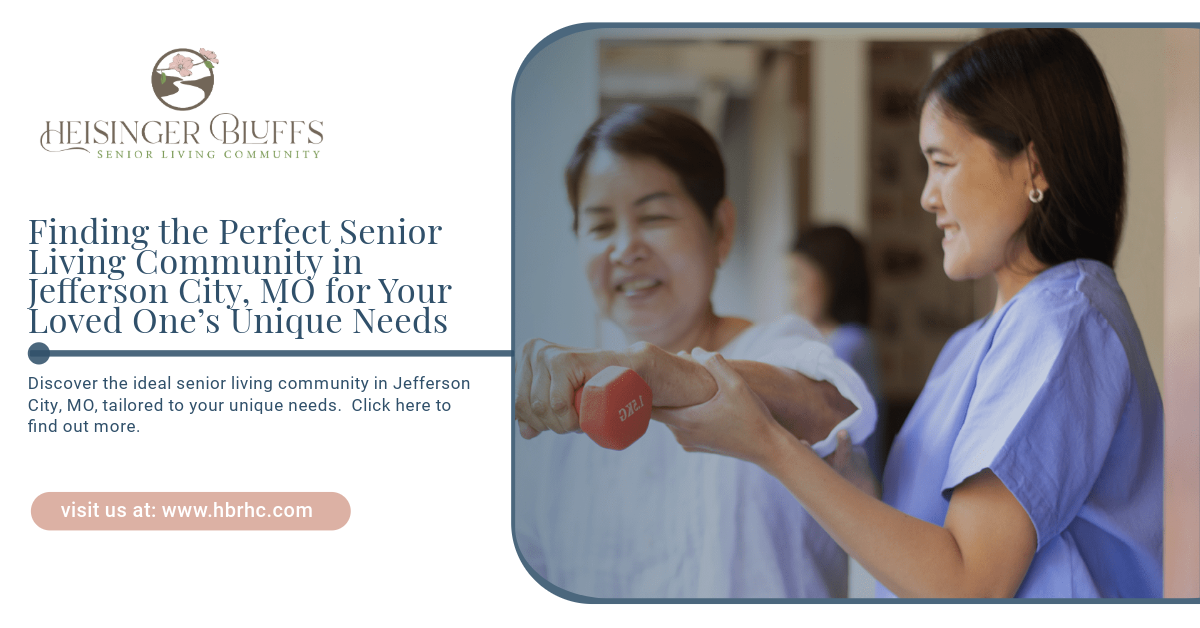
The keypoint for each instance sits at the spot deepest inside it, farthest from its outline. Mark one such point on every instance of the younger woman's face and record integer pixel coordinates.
(649, 253)
(980, 200)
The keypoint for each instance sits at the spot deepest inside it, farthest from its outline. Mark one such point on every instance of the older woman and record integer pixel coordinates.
(647, 186)
(1031, 464)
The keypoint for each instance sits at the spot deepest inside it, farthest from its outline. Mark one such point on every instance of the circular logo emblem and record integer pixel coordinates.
(183, 78)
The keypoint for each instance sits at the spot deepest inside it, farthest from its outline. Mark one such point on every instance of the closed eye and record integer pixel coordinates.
(930, 155)
(600, 228)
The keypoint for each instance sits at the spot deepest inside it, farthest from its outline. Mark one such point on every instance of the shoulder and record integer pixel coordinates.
(789, 342)
(1079, 285)
(850, 334)
(1052, 350)
(762, 339)
(1055, 349)
(1077, 301)
(1055, 289)
(853, 343)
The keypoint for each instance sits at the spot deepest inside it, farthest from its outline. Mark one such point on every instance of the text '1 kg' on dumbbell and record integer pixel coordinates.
(614, 407)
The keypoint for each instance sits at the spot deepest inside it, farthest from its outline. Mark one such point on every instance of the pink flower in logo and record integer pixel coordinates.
(210, 55)
(183, 64)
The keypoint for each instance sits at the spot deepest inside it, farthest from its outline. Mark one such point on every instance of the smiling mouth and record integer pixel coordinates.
(949, 231)
(632, 288)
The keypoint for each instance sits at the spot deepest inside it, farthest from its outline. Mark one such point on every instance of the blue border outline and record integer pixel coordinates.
(578, 28)
(39, 353)
(270, 353)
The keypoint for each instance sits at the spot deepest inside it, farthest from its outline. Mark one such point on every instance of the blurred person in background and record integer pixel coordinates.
(831, 289)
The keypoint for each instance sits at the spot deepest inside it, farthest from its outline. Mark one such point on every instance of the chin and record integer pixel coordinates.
(641, 329)
(963, 272)
(955, 272)
(632, 323)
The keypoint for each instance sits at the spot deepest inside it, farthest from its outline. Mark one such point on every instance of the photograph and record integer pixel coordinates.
(850, 312)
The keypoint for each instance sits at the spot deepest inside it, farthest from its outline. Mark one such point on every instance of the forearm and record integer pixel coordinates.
(675, 381)
(808, 409)
(911, 557)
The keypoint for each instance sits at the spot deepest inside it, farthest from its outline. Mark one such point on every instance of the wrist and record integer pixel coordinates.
(640, 357)
(780, 452)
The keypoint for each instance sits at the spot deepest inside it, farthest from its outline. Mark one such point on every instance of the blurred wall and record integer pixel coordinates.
(770, 221)
(555, 98)
(1181, 508)
(839, 153)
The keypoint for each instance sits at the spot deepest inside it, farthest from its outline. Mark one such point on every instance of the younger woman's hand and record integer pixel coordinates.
(851, 463)
(734, 422)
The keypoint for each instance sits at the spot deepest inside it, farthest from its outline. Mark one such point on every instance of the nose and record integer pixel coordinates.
(931, 196)
(628, 245)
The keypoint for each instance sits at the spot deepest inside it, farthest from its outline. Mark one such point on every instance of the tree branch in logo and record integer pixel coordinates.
(183, 78)
(183, 65)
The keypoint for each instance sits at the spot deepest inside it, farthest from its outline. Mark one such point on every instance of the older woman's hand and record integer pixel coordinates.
(547, 378)
(734, 422)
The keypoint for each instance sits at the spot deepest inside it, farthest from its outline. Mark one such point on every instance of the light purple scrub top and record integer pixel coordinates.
(1055, 395)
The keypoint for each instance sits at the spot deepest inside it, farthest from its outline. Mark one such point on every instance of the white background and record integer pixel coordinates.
(416, 108)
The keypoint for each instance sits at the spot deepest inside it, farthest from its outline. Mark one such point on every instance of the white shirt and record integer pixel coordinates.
(655, 521)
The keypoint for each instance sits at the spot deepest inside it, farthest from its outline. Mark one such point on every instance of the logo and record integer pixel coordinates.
(183, 78)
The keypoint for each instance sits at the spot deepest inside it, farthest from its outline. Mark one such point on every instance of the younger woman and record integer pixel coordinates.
(1031, 464)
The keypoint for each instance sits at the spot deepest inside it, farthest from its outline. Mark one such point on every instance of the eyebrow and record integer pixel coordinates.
(651, 196)
(604, 209)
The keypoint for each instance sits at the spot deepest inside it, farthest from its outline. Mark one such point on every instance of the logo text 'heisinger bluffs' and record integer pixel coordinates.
(183, 79)
(141, 140)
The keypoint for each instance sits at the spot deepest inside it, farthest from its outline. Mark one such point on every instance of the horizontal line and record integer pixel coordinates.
(256, 353)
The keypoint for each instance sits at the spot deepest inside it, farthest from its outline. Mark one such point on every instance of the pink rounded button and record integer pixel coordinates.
(190, 511)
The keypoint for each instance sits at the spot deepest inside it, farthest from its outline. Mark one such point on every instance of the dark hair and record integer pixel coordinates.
(843, 262)
(671, 137)
(1045, 86)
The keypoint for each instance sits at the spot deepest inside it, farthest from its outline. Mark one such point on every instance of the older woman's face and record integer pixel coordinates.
(649, 254)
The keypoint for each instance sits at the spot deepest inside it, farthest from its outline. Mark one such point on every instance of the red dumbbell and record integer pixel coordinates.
(614, 407)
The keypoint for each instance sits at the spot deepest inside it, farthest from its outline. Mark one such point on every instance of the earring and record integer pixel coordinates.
(1036, 195)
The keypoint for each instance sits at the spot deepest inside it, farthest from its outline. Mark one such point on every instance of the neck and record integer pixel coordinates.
(1016, 275)
(825, 325)
(710, 332)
